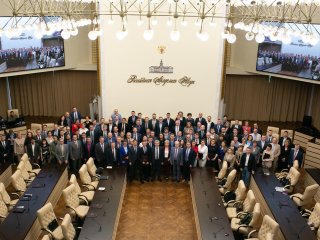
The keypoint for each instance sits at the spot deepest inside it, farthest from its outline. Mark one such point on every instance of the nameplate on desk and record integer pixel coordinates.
(101, 188)
(104, 177)
(18, 209)
(40, 185)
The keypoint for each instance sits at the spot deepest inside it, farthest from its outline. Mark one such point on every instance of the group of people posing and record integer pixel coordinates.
(156, 148)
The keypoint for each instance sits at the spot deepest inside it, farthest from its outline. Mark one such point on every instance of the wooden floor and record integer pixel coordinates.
(157, 211)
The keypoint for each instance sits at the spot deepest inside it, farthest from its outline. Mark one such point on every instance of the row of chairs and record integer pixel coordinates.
(77, 203)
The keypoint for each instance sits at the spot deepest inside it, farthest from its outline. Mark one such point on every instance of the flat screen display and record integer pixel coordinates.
(26, 50)
(296, 59)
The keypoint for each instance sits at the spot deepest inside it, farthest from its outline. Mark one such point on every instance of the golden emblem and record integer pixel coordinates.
(162, 49)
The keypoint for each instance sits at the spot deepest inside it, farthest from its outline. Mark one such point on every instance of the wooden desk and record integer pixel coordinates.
(5, 174)
(19, 226)
(312, 176)
(104, 226)
(292, 225)
(207, 205)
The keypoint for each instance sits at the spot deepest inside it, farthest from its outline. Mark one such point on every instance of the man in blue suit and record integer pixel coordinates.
(296, 153)
(176, 160)
(75, 115)
(189, 156)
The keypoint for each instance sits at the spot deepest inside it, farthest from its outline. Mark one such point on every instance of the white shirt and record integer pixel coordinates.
(247, 160)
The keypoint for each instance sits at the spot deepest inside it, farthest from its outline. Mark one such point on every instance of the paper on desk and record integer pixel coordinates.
(279, 189)
(101, 188)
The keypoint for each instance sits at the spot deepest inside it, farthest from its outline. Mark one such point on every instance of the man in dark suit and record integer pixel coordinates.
(190, 119)
(237, 126)
(114, 155)
(34, 152)
(176, 128)
(133, 161)
(269, 136)
(88, 150)
(284, 138)
(110, 126)
(153, 121)
(189, 156)
(132, 119)
(209, 124)
(169, 122)
(101, 152)
(140, 127)
(144, 158)
(296, 153)
(255, 125)
(123, 126)
(201, 119)
(176, 160)
(147, 124)
(94, 136)
(5, 153)
(218, 127)
(135, 135)
(159, 128)
(262, 144)
(157, 161)
(56, 131)
(75, 115)
(75, 153)
(247, 166)
(110, 139)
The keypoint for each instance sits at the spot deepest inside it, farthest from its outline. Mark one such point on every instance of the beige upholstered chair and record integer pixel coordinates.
(6, 197)
(3, 210)
(318, 234)
(86, 196)
(268, 230)
(46, 237)
(71, 199)
(274, 129)
(50, 126)
(248, 205)
(35, 126)
(313, 216)
(15, 112)
(284, 172)
(18, 183)
(227, 186)
(306, 197)
(46, 216)
(92, 169)
(28, 165)
(254, 223)
(223, 171)
(28, 178)
(68, 230)
(293, 176)
(290, 133)
(240, 193)
(86, 179)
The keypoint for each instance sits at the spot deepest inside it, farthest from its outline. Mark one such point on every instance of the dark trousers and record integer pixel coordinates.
(156, 169)
(186, 172)
(131, 171)
(176, 171)
(75, 165)
(144, 172)
(166, 168)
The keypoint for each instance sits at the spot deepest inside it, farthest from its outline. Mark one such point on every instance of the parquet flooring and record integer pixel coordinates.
(157, 211)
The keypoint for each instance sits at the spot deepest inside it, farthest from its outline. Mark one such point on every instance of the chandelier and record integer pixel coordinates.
(279, 20)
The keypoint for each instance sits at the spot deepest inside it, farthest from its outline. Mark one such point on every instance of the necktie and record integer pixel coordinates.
(102, 147)
(176, 154)
(4, 144)
(295, 154)
(114, 154)
(188, 151)
(122, 126)
(135, 150)
(157, 154)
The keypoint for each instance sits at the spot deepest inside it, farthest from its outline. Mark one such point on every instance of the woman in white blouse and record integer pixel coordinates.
(202, 154)
(49, 138)
(18, 146)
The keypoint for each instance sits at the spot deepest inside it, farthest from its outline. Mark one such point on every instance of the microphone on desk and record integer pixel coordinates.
(111, 187)
(205, 192)
(104, 213)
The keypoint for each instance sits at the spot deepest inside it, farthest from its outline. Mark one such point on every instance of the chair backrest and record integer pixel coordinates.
(223, 171)
(294, 176)
(318, 234)
(27, 163)
(46, 237)
(24, 171)
(290, 133)
(309, 192)
(274, 129)
(230, 179)
(35, 126)
(68, 230)
(25, 157)
(73, 180)
(296, 164)
(241, 191)
(3, 208)
(315, 216)
(17, 181)
(84, 175)
(269, 226)
(232, 122)
(70, 196)
(15, 112)
(46, 215)
(92, 169)
(255, 216)
(4, 194)
(249, 202)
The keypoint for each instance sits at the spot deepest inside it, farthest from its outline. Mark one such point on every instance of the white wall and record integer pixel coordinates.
(201, 61)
